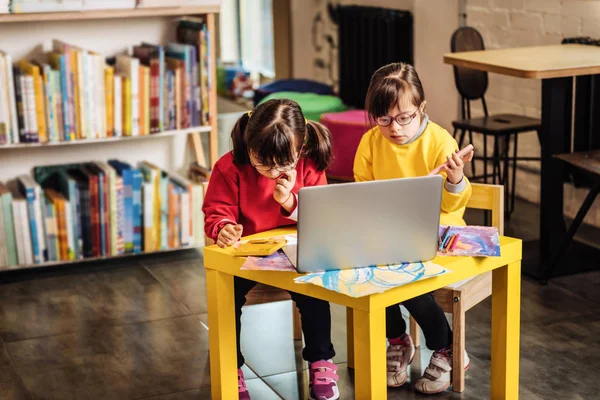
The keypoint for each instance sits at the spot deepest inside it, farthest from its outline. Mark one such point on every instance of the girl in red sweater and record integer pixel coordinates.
(276, 151)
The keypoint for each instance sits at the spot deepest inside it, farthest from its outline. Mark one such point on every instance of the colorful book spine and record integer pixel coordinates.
(137, 211)
(103, 213)
(146, 99)
(127, 175)
(3, 247)
(99, 67)
(120, 189)
(94, 200)
(51, 230)
(19, 100)
(170, 101)
(198, 215)
(206, 77)
(118, 106)
(5, 128)
(148, 220)
(87, 228)
(9, 229)
(195, 87)
(171, 215)
(50, 103)
(12, 95)
(142, 103)
(155, 95)
(127, 108)
(164, 211)
(29, 193)
(37, 99)
(109, 82)
(30, 109)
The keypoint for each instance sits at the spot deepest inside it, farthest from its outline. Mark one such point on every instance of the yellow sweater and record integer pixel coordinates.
(377, 159)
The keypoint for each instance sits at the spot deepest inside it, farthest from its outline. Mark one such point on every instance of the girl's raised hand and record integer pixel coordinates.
(455, 166)
(230, 234)
(283, 187)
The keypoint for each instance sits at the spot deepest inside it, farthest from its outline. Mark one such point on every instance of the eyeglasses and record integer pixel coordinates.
(287, 168)
(265, 168)
(401, 119)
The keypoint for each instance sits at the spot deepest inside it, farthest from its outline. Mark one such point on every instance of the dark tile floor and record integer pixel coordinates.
(137, 329)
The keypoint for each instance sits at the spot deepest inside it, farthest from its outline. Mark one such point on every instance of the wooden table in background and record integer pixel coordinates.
(556, 66)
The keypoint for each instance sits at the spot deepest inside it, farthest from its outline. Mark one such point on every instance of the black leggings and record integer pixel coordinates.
(316, 322)
(428, 314)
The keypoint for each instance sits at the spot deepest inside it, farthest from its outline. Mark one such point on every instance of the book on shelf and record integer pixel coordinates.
(8, 245)
(21, 224)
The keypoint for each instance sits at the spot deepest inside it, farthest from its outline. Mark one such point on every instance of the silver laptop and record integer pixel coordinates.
(361, 224)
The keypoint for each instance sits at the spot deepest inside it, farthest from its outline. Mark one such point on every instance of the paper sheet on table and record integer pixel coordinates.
(369, 280)
(277, 261)
(474, 241)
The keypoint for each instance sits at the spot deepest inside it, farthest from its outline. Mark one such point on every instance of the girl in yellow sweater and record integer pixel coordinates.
(403, 144)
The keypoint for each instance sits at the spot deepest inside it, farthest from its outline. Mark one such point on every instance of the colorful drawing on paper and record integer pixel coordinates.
(277, 261)
(369, 280)
(473, 241)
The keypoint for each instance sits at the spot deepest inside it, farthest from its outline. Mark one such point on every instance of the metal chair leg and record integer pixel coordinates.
(505, 173)
(485, 174)
(496, 161)
(514, 176)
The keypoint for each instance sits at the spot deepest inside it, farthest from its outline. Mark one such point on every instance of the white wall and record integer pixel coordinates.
(435, 21)
(108, 37)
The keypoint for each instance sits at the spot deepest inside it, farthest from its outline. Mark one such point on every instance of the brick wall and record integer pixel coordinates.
(517, 23)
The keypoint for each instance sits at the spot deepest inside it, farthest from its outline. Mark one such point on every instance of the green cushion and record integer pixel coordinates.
(312, 105)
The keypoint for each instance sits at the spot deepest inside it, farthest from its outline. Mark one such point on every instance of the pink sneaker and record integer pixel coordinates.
(400, 354)
(323, 381)
(437, 377)
(242, 389)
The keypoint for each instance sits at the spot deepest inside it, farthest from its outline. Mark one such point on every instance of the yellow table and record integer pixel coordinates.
(366, 317)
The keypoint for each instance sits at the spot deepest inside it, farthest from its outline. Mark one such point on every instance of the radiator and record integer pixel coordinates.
(369, 38)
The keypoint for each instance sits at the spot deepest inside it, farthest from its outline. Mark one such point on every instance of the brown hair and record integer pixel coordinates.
(275, 132)
(389, 84)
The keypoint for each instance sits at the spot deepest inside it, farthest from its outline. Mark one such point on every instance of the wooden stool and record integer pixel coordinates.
(261, 294)
(458, 298)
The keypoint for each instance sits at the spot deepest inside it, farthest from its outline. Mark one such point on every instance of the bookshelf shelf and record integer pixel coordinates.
(187, 131)
(109, 14)
(92, 259)
(11, 22)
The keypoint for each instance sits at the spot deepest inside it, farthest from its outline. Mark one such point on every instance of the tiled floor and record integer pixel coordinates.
(137, 329)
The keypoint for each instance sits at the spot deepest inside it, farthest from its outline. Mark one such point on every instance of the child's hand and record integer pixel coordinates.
(229, 235)
(284, 186)
(456, 165)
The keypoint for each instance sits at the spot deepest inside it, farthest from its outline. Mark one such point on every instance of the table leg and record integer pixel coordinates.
(506, 295)
(370, 378)
(350, 336)
(556, 138)
(221, 335)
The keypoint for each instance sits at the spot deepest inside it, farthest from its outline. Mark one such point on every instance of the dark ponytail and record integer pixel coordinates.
(318, 146)
(240, 150)
(274, 133)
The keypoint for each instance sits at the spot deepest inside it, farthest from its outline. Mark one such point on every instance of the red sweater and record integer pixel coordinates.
(240, 195)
